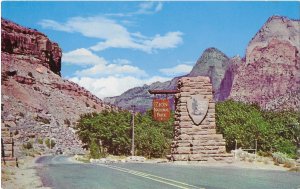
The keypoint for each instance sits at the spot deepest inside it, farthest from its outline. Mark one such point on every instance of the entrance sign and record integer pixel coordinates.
(161, 109)
(197, 107)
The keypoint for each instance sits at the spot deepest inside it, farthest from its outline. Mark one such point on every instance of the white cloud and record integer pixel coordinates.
(149, 7)
(113, 35)
(96, 27)
(170, 40)
(113, 86)
(82, 57)
(98, 66)
(113, 70)
(180, 69)
(146, 44)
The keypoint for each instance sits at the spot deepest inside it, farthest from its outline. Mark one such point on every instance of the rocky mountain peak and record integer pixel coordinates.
(276, 28)
(210, 57)
(212, 63)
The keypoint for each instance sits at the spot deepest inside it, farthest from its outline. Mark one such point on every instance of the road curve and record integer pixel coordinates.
(59, 173)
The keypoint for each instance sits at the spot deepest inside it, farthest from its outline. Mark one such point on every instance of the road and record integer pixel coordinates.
(57, 172)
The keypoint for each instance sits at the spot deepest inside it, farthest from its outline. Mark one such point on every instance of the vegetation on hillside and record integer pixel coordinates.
(110, 133)
(274, 131)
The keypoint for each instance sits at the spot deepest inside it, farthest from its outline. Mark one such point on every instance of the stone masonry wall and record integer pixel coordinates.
(196, 142)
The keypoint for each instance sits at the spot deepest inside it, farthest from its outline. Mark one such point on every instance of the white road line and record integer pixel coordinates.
(147, 174)
(152, 177)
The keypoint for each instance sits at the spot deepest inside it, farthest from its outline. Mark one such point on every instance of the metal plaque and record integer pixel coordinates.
(197, 107)
(161, 109)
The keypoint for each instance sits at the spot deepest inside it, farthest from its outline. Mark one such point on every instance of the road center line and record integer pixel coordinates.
(152, 177)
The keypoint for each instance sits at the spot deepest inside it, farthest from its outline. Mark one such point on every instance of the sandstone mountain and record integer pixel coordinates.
(268, 74)
(36, 102)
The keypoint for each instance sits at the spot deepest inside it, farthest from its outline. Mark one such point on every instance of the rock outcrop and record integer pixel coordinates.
(270, 75)
(22, 41)
(36, 102)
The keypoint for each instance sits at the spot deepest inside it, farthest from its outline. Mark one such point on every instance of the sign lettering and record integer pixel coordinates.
(161, 109)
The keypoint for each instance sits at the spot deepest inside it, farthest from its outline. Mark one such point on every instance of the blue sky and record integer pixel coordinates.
(109, 47)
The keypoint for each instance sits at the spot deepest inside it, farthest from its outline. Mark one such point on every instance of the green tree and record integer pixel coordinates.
(113, 131)
(274, 131)
(94, 149)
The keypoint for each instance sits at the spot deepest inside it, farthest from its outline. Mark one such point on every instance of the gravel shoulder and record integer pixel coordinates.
(22, 177)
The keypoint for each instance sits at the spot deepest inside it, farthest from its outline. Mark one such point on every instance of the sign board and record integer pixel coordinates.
(161, 109)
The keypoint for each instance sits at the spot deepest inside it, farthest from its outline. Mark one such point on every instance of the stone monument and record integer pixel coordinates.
(195, 137)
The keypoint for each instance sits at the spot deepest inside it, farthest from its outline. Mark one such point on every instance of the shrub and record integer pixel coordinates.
(40, 141)
(279, 158)
(47, 142)
(28, 145)
(94, 149)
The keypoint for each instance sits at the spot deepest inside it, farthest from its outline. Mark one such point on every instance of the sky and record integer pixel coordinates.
(110, 47)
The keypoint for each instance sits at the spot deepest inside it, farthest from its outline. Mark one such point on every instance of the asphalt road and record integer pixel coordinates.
(58, 173)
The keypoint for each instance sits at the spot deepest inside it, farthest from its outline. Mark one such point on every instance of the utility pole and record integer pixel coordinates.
(132, 142)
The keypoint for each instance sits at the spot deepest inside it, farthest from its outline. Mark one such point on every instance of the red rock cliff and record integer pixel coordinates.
(19, 40)
(270, 75)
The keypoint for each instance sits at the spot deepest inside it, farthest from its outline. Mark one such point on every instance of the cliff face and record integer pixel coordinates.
(271, 75)
(36, 102)
(22, 41)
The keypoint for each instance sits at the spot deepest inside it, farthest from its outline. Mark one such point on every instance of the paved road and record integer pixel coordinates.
(58, 173)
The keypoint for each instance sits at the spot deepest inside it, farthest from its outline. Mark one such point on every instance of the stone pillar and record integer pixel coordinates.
(195, 137)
